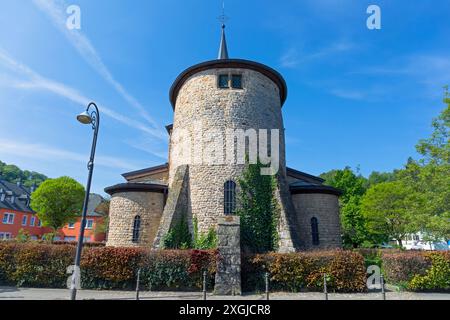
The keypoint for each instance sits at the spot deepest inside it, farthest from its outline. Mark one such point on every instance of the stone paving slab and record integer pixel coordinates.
(11, 293)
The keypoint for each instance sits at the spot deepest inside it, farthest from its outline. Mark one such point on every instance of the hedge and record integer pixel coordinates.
(295, 272)
(44, 265)
(417, 270)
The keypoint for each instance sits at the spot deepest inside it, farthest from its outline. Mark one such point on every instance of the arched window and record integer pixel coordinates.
(229, 201)
(315, 231)
(136, 229)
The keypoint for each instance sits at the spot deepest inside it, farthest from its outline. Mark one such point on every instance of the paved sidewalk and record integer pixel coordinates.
(11, 293)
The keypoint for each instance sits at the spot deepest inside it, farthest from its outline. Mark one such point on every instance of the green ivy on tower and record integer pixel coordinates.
(258, 210)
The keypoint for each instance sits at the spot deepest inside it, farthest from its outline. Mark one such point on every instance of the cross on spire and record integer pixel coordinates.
(223, 50)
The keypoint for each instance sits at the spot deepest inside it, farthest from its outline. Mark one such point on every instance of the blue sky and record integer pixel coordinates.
(357, 97)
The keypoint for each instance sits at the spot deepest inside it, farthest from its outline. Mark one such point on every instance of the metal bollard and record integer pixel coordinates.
(204, 285)
(267, 285)
(137, 283)
(383, 291)
(325, 289)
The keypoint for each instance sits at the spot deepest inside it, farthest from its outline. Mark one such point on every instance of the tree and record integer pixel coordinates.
(103, 226)
(430, 177)
(352, 221)
(13, 174)
(389, 209)
(378, 177)
(436, 149)
(58, 201)
(258, 210)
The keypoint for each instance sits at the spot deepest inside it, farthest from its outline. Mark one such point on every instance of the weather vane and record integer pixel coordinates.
(223, 18)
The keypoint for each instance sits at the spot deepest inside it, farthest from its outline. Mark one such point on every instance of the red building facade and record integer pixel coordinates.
(16, 215)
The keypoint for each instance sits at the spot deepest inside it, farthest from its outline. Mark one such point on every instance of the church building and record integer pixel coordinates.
(222, 94)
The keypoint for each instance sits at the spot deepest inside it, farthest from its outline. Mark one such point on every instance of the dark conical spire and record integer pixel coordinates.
(223, 50)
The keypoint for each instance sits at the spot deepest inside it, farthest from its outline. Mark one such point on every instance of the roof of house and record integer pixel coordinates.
(16, 197)
(137, 187)
(301, 187)
(145, 171)
(272, 74)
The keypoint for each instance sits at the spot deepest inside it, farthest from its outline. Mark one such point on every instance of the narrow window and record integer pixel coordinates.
(315, 231)
(229, 197)
(236, 81)
(223, 81)
(24, 220)
(90, 224)
(32, 221)
(136, 229)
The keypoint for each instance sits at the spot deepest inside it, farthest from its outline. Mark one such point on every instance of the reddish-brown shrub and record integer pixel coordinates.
(399, 267)
(297, 271)
(44, 265)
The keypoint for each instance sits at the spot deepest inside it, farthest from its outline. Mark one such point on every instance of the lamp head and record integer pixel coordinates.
(84, 118)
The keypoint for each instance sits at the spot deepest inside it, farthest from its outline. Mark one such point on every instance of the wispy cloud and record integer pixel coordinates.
(351, 94)
(45, 152)
(35, 81)
(55, 10)
(429, 70)
(292, 58)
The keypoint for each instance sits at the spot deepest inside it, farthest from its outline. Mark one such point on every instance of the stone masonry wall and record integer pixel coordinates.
(325, 207)
(124, 207)
(228, 275)
(255, 106)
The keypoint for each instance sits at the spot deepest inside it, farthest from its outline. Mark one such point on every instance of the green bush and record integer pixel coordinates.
(371, 256)
(304, 271)
(178, 236)
(437, 277)
(44, 265)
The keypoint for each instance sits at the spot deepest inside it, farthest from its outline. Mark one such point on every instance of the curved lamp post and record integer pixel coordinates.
(91, 117)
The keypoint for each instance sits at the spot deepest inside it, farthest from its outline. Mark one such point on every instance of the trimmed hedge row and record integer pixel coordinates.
(295, 272)
(42, 265)
(417, 270)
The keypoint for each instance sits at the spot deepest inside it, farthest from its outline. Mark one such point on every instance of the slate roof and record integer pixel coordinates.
(21, 196)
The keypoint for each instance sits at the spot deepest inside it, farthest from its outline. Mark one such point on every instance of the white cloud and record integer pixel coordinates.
(289, 59)
(292, 58)
(348, 94)
(36, 81)
(55, 10)
(40, 151)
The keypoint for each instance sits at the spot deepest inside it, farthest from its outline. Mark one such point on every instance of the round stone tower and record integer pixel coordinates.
(214, 103)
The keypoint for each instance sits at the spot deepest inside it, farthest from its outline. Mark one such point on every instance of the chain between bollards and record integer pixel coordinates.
(383, 291)
(267, 285)
(204, 285)
(137, 283)
(325, 289)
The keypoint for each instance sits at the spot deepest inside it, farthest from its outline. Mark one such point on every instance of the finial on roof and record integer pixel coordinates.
(223, 50)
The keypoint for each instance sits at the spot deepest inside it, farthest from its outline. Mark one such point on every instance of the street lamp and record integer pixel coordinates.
(91, 117)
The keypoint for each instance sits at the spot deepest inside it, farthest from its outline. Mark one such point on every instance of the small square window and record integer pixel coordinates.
(72, 225)
(236, 81)
(90, 224)
(223, 81)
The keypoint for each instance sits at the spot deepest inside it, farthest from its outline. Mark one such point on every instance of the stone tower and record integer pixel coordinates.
(211, 100)
(220, 106)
